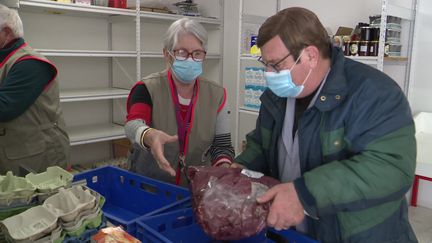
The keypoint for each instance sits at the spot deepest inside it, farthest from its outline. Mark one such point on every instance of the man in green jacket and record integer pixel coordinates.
(338, 134)
(32, 129)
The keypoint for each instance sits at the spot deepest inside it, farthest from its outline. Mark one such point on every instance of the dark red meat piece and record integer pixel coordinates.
(224, 201)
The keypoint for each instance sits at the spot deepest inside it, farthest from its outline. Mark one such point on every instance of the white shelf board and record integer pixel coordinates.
(45, 6)
(148, 54)
(365, 59)
(173, 17)
(93, 94)
(249, 57)
(85, 53)
(79, 135)
(246, 110)
(374, 60)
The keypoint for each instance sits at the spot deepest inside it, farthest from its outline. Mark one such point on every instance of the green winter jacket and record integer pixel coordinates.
(357, 154)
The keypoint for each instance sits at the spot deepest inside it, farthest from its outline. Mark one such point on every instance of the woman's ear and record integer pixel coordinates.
(167, 56)
(7, 33)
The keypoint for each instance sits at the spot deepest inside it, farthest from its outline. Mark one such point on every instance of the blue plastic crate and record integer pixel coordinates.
(180, 227)
(130, 196)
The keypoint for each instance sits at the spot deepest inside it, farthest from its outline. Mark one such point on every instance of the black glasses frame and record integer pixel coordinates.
(273, 66)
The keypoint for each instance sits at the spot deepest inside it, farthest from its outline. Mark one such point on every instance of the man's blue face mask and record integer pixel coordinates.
(281, 83)
(187, 70)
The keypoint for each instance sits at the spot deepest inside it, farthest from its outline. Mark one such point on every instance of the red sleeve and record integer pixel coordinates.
(139, 104)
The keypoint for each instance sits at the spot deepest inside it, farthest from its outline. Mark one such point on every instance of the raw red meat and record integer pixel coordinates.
(224, 201)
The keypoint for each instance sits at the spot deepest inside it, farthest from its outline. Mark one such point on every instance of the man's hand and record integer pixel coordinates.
(286, 209)
(156, 140)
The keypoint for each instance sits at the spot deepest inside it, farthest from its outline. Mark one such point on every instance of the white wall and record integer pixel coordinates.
(420, 90)
(420, 83)
(337, 13)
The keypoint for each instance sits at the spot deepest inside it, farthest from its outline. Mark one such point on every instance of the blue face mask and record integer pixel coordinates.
(187, 71)
(281, 83)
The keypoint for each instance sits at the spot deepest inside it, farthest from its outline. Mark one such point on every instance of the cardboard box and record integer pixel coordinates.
(121, 147)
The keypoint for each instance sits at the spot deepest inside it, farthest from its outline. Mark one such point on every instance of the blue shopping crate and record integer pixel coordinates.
(180, 226)
(130, 196)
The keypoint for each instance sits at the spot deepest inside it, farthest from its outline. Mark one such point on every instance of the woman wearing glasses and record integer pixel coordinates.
(175, 118)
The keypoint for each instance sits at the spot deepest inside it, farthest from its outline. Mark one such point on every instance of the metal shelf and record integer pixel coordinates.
(85, 53)
(395, 59)
(79, 135)
(365, 60)
(173, 17)
(249, 57)
(93, 94)
(374, 60)
(51, 7)
(246, 110)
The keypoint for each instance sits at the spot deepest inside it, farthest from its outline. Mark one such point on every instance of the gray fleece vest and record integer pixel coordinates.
(37, 138)
(209, 98)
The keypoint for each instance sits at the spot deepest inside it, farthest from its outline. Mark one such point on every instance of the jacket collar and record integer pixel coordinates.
(13, 45)
(335, 88)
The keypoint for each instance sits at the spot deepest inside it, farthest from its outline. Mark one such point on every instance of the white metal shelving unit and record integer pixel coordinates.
(117, 61)
(87, 133)
(93, 94)
(94, 133)
(406, 10)
(85, 53)
(52, 7)
(246, 15)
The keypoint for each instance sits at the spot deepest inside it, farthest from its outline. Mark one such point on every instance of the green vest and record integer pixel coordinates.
(209, 98)
(37, 138)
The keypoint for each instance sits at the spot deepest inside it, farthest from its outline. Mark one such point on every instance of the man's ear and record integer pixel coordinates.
(312, 56)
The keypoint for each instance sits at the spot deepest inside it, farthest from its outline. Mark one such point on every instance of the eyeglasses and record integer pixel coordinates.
(273, 66)
(182, 54)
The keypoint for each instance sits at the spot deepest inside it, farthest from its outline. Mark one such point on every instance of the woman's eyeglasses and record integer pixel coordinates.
(182, 54)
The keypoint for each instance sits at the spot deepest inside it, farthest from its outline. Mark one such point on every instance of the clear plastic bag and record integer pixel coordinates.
(224, 201)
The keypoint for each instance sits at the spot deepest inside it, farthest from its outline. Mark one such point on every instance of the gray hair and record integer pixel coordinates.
(184, 26)
(10, 18)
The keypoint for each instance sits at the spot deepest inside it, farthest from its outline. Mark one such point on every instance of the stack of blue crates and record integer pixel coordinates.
(157, 212)
(130, 196)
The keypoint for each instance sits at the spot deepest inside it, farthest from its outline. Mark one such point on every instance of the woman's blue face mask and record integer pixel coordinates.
(187, 70)
(281, 83)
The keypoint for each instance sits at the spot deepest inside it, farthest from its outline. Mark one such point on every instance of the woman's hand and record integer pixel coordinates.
(155, 140)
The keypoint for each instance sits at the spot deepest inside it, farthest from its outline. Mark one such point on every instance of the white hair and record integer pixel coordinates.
(184, 26)
(10, 18)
